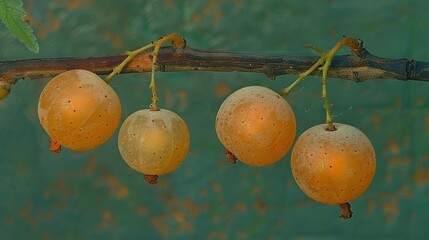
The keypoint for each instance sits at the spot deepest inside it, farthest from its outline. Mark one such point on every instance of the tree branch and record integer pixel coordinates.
(349, 67)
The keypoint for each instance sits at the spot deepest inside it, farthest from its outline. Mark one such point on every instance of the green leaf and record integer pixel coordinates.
(12, 14)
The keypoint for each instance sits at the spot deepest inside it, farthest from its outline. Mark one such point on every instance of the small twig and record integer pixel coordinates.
(170, 59)
(355, 47)
(177, 42)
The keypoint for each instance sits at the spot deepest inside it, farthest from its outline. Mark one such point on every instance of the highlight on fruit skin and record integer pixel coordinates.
(153, 142)
(257, 125)
(79, 110)
(333, 167)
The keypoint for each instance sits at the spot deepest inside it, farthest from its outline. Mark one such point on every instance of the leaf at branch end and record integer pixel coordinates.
(12, 14)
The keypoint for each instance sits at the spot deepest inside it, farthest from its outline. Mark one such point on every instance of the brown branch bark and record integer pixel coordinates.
(347, 67)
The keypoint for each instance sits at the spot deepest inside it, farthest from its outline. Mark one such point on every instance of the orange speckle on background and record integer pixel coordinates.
(182, 221)
(142, 209)
(256, 189)
(243, 235)
(376, 119)
(106, 219)
(427, 122)
(260, 205)
(26, 212)
(168, 98)
(240, 207)
(158, 222)
(405, 192)
(371, 205)
(116, 188)
(117, 41)
(211, 9)
(419, 101)
(183, 99)
(222, 89)
(398, 102)
(203, 192)
(121, 191)
(196, 18)
(8, 220)
(193, 208)
(388, 177)
(400, 161)
(168, 3)
(217, 235)
(216, 187)
(90, 165)
(75, 4)
(421, 176)
(390, 209)
(393, 146)
(61, 204)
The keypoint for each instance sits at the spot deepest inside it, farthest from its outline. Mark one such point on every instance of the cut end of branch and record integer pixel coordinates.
(346, 210)
(152, 179)
(230, 156)
(55, 146)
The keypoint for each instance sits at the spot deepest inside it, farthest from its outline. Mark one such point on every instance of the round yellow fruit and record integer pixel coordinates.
(153, 142)
(333, 167)
(257, 125)
(79, 110)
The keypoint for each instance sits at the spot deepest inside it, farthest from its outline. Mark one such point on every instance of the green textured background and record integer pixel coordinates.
(95, 195)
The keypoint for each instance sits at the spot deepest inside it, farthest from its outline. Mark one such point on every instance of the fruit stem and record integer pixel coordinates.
(346, 41)
(327, 105)
(346, 210)
(176, 41)
(303, 75)
(131, 56)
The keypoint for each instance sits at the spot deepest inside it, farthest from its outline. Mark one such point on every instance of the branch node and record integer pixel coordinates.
(411, 69)
(270, 71)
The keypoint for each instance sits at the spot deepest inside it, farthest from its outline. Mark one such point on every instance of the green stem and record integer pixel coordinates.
(327, 105)
(131, 56)
(353, 45)
(152, 86)
(177, 42)
(326, 59)
(303, 75)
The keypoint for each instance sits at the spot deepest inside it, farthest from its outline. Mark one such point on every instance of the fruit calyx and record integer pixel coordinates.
(55, 146)
(152, 179)
(346, 210)
(230, 156)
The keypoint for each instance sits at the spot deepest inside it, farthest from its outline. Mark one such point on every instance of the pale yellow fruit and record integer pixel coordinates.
(153, 142)
(333, 167)
(257, 125)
